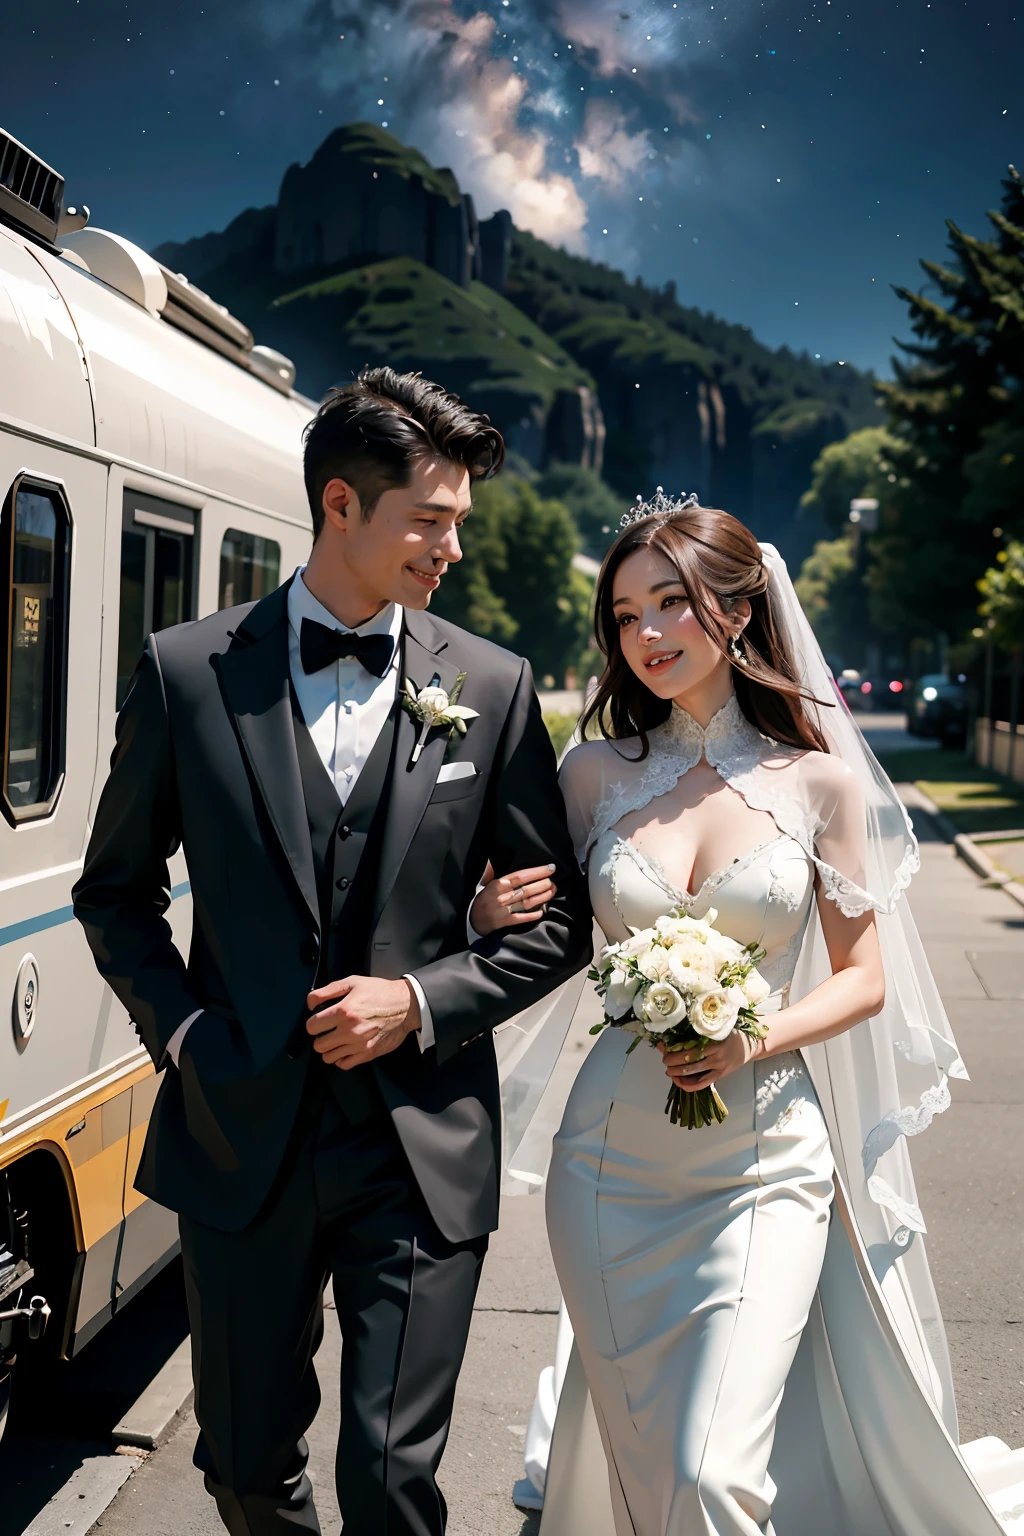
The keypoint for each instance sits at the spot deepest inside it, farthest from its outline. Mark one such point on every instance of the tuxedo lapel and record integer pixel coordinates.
(255, 681)
(413, 783)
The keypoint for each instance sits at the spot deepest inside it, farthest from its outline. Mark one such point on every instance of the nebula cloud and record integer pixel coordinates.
(550, 110)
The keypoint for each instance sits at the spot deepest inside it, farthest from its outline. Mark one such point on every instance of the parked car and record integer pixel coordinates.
(870, 692)
(938, 707)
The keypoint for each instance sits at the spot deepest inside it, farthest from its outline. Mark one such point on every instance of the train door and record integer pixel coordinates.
(154, 532)
(245, 555)
(51, 560)
(157, 578)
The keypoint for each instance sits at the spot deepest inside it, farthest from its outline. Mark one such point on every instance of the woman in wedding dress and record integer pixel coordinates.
(708, 1271)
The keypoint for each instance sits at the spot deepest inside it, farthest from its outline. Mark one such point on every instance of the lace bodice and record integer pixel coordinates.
(763, 897)
(814, 799)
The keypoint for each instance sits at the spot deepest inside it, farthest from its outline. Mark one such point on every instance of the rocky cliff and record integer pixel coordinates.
(371, 254)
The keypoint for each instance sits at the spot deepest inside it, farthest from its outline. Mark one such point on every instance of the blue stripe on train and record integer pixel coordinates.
(30, 925)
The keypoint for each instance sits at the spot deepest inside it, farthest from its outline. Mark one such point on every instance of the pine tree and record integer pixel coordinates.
(955, 415)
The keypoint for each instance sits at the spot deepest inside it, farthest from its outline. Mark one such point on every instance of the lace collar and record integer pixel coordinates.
(731, 744)
(728, 740)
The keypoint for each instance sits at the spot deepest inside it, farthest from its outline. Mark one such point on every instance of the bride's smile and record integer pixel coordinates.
(663, 639)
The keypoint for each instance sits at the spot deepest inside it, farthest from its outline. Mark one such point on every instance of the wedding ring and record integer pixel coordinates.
(517, 906)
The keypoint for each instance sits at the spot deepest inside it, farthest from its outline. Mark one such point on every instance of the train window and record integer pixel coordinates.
(157, 588)
(35, 571)
(250, 567)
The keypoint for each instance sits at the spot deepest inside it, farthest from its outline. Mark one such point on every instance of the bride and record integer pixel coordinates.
(708, 1271)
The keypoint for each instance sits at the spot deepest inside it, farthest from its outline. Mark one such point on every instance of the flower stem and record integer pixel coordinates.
(424, 732)
(693, 1110)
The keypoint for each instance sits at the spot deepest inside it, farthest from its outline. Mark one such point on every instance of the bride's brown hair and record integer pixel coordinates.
(718, 561)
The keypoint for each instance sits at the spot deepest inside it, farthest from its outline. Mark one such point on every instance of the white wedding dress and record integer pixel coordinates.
(707, 1271)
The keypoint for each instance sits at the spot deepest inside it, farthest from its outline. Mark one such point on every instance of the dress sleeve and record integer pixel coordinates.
(864, 849)
(582, 780)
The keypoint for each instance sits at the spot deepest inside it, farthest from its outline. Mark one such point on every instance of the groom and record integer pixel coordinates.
(330, 1104)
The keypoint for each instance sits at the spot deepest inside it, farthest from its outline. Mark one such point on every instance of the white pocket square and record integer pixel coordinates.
(450, 771)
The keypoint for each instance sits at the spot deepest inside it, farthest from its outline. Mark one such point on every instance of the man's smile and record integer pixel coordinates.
(431, 580)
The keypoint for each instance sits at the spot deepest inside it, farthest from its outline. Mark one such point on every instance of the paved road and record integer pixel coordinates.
(969, 1169)
(970, 1165)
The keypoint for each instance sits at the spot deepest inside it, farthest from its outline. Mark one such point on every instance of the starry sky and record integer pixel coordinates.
(784, 163)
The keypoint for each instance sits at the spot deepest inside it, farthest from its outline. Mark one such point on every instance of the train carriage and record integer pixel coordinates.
(150, 473)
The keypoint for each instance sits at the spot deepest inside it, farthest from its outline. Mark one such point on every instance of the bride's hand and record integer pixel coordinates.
(691, 1070)
(512, 900)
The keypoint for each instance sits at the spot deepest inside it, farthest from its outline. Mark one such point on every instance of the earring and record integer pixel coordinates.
(735, 652)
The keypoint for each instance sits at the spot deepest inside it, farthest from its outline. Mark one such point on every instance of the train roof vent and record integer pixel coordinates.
(170, 295)
(31, 192)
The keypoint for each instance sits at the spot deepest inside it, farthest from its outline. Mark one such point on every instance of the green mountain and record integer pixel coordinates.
(373, 255)
(401, 313)
(715, 410)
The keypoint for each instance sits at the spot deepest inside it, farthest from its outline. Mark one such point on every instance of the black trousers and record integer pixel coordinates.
(347, 1205)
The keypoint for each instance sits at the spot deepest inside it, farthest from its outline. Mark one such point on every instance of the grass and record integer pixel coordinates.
(560, 728)
(405, 314)
(974, 798)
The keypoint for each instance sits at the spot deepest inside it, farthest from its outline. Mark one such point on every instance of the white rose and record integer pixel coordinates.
(690, 966)
(621, 990)
(654, 962)
(755, 989)
(671, 930)
(663, 1007)
(432, 704)
(640, 939)
(725, 951)
(714, 1013)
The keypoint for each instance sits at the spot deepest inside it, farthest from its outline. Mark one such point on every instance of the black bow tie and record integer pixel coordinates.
(320, 646)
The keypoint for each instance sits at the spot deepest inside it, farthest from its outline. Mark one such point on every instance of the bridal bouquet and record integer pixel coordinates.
(681, 984)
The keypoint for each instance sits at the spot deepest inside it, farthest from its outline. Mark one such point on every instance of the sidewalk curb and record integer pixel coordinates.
(967, 849)
(89, 1491)
(150, 1419)
(978, 860)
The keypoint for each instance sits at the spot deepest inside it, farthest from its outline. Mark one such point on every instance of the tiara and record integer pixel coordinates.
(660, 505)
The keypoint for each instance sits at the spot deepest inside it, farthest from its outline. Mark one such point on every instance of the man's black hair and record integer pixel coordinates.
(372, 431)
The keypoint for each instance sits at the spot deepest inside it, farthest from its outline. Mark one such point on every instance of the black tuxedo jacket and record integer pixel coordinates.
(205, 758)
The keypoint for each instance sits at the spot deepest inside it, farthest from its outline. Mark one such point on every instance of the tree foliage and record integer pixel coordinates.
(515, 583)
(587, 305)
(1002, 590)
(595, 508)
(832, 596)
(956, 409)
(844, 472)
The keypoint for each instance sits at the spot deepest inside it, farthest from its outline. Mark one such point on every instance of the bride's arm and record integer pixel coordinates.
(856, 989)
(530, 890)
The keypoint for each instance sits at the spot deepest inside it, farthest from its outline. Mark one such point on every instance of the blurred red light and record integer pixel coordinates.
(896, 687)
(865, 687)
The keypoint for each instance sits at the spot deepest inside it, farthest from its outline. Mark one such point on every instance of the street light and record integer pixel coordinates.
(864, 513)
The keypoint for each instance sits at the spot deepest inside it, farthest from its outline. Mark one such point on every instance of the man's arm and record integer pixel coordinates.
(124, 890)
(475, 990)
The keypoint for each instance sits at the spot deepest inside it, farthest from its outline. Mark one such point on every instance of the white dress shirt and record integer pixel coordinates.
(344, 707)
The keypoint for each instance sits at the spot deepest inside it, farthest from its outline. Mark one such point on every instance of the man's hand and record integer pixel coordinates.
(367, 1017)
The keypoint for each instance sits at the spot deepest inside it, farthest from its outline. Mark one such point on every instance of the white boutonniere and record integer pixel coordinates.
(433, 706)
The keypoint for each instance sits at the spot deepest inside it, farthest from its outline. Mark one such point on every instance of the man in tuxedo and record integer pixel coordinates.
(330, 1105)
